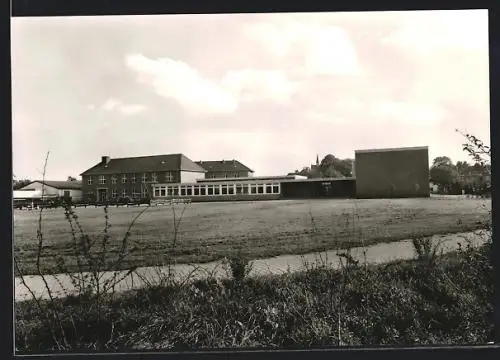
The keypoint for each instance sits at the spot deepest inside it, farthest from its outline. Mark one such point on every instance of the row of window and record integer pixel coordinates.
(219, 189)
(124, 178)
(225, 175)
(124, 193)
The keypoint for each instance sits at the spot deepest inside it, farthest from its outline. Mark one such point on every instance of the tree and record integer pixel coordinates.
(442, 161)
(443, 173)
(71, 178)
(18, 184)
(332, 166)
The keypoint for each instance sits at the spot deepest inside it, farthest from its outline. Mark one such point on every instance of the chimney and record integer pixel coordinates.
(223, 161)
(105, 160)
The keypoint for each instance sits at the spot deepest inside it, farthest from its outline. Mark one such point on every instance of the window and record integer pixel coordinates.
(236, 175)
(124, 192)
(196, 190)
(135, 194)
(132, 179)
(124, 178)
(90, 195)
(114, 193)
(67, 193)
(269, 189)
(113, 179)
(245, 188)
(89, 181)
(176, 190)
(239, 189)
(216, 190)
(144, 177)
(210, 189)
(183, 191)
(169, 191)
(203, 191)
(169, 177)
(253, 189)
(156, 191)
(163, 190)
(144, 192)
(154, 178)
(189, 191)
(224, 189)
(230, 189)
(102, 180)
(225, 175)
(260, 189)
(276, 188)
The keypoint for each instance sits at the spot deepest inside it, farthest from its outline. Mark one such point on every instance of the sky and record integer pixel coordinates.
(270, 90)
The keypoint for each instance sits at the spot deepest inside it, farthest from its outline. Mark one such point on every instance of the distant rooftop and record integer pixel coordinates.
(392, 149)
(62, 185)
(153, 163)
(223, 166)
(252, 178)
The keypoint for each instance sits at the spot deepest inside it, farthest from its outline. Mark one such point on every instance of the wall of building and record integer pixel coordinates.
(345, 188)
(190, 177)
(141, 188)
(226, 174)
(392, 173)
(34, 190)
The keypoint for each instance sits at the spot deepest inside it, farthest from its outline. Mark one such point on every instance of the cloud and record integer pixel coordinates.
(407, 113)
(446, 29)
(318, 49)
(178, 81)
(113, 104)
(255, 84)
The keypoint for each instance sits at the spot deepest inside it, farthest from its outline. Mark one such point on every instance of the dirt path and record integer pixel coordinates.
(61, 285)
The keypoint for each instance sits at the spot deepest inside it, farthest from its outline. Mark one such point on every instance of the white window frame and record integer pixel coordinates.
(114, 193)
(124, 192)
(135, 194)
(89, 181)
(168, 176)
(144, 177)
(132, 179)
(113, 179)
(154, 177)
(124, 178)
(102, 180)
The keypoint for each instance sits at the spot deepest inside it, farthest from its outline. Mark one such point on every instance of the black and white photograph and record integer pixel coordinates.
(251, 181)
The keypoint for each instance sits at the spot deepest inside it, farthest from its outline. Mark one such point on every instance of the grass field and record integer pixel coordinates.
(210, 231)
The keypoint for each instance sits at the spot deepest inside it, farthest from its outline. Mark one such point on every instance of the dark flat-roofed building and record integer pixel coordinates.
(224, 169)
(392, 172)
(133, 176)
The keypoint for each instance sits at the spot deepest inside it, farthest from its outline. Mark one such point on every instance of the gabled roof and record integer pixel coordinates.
(61, 185)
(224, 166)
(154, 163)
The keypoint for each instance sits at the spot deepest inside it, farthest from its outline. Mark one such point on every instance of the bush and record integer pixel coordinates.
(390, 304)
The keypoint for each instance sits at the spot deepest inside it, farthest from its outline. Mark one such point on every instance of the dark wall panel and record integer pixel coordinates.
(392, 173)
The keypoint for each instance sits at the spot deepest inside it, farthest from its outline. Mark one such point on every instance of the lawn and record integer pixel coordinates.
(210, 231)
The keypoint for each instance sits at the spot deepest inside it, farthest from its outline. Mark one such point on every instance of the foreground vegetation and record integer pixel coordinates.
(431, 300)
(257, 230)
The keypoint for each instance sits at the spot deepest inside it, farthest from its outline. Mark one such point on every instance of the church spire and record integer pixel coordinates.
(317, 159)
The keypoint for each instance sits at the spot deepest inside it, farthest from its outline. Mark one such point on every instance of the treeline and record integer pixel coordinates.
(329, 167)
(460, 177)
(446, 177)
